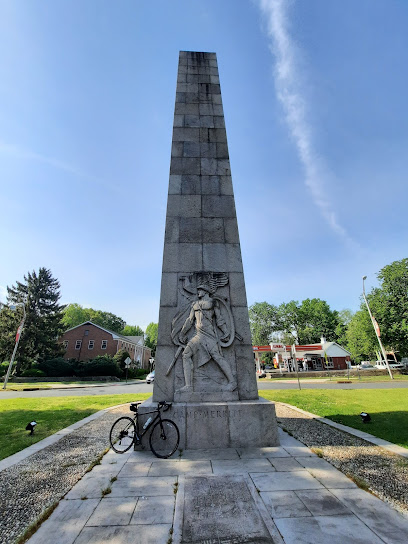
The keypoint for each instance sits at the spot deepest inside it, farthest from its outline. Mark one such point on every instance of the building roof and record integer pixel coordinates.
(116, 336)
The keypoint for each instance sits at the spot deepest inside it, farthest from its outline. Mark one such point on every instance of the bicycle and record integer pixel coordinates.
(164, 437)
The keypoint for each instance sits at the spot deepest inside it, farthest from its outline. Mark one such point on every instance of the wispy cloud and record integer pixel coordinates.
(26, 154)
(288, 83)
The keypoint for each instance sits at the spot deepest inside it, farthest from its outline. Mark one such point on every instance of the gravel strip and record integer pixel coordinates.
(385, 473)
(34, 484)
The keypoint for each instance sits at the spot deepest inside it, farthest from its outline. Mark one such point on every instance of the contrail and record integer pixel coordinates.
(26, 154)
(287, 83)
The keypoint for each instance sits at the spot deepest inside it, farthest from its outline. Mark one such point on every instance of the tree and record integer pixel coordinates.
(264, 320)
(132, 330)
(75, 314)
(152, 330)
(344, 318)
(307, 322)
(43, 325)
(360, 335)
(389, 305)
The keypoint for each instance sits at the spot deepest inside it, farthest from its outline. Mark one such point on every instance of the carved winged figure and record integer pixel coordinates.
(211, 331)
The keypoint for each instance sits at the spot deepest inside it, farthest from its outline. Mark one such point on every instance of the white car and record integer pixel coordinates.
(150, 377)
(365, 365)
(393, 364)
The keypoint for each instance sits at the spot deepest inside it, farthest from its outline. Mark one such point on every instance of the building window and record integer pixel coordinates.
(91, 344)
(86, 332)
(65, 344)
(104, 344)
(78, 344)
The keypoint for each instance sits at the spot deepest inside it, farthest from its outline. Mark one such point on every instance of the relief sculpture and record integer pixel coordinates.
(203, 327)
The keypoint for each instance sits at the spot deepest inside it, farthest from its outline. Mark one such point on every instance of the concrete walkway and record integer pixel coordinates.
(263, 495)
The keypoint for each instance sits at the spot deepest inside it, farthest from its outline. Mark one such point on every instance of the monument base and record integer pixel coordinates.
(216, 425)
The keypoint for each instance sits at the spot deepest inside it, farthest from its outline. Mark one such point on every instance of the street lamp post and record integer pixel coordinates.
(19, 331)
(375, 325)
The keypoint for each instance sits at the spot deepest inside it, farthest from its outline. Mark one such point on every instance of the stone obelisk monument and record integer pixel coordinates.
(204, 359)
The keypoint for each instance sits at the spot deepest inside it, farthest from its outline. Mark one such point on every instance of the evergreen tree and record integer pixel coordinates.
(43, 325)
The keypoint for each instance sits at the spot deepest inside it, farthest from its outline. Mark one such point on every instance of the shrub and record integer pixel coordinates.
(136, 372)
(103, 365)
(33, 373)
(57, 367)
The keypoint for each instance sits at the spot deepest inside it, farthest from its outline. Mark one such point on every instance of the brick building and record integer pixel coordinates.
(88, 340)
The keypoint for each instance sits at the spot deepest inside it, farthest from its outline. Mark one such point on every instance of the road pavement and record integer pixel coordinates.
(143, 387)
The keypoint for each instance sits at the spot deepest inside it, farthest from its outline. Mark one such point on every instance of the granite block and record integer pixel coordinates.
(184, 165)
(168, 291)
(223, 167)
(218, 109)
(175, 185)
(184, 206)
(178, 121)
(215, 257)
(191, 98)
(213, 231)
(219, 122)
(193, 78)
(210, 185)
(190, 185)
(226, 185)
(192, 121)
(218, 206)
(191, 149)
(177, 149)
(234, 258)
(207, 121)
(237, 289)
(186, 109)
(231, 230)
(209, 167)
(172, 230)
(187, 134)
(222, 151)
(217, 135)
(182, 256)
(190, 230)
(208, 150)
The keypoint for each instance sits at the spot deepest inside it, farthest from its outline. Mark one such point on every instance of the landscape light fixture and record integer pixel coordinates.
(365, 417)
(31, 426)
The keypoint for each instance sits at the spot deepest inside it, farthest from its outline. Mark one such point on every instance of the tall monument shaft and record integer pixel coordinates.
(204, 350)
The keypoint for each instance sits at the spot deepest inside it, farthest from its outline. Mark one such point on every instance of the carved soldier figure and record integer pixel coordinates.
(210, 329)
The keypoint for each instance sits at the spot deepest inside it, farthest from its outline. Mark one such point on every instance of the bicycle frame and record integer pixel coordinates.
(140, 435)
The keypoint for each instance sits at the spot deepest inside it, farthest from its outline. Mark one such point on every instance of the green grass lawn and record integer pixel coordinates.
(51, 414)
(388, 408)
(364, 377)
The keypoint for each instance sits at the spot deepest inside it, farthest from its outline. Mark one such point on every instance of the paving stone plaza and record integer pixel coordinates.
(284, 494)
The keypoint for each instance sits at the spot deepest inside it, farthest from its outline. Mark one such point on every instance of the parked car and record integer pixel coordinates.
(365, 365)
(150, 377)
(391, 364)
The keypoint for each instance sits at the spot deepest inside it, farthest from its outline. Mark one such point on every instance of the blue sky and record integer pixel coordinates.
(314, 98)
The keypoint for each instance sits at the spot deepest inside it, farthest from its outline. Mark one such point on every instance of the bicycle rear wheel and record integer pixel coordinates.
(164, 438)
(122, 434)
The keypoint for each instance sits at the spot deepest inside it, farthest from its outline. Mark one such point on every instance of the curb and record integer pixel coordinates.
(389, 446)
(52, 439)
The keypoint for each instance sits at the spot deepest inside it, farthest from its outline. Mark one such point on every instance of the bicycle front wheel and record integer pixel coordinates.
(164, 438)
(122, 434)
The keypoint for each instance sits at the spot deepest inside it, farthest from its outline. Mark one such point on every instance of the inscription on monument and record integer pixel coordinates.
(221, 510)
